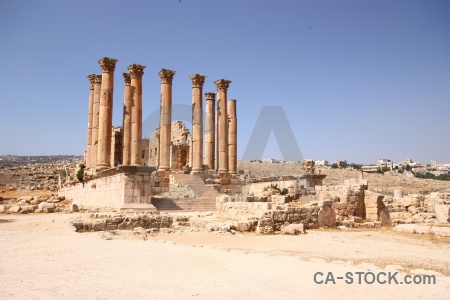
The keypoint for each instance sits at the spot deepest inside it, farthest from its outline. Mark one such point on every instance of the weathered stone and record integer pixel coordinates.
(44, 205)
(15, 209)
(293, 229)
(385, 218)
(442, 213)
(326, 217)
(99, 226)
(74, 208)
(49, 209)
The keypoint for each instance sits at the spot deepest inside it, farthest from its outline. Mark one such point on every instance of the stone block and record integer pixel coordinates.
(441, 231)
(44, 205)
(326, 217)
(49, 210)
(442, 213)
(293, 229)
(385, 218)
(15, 209)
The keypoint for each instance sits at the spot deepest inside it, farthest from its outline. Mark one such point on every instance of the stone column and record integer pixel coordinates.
(165, 119)
(90, 121)
(127, 104)
(210, 134)
(136, 72)
(222, 130)
(95, 117)
(108, 66)
(197, 122)
(232, 136)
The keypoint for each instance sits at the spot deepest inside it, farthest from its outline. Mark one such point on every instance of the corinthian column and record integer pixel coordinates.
(210, 135)
(232, 137)
(108, 66)
(95, 116)
(222, 130)
(127, 104)
(165, 119)
(90, 121)
(197, 123)
(136, 72)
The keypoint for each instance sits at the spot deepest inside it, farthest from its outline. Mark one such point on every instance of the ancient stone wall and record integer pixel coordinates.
(121, 188)
(180, 136)
(102, 222)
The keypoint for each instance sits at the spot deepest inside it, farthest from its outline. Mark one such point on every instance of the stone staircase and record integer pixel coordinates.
(187, 193)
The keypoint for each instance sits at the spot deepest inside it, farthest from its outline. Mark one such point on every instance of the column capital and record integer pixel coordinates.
(126, 78)
(166, 75)
(197, 80)
(136, 71)
(98, 79)
(108, 64)
(210, 96)
(222, 84)
(91, 80)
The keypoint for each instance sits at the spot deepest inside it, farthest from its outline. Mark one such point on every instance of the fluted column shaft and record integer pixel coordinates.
(105, 117)
(136, 72)
(165, 132)
(197, 122)
(95, 118)
(127, 106)
(90, 121)
(222, 130)
(232, 137)
(210, 134)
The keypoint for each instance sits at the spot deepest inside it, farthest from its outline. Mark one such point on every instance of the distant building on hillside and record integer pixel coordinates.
(270, 160)
(321, 162)
(384, 163)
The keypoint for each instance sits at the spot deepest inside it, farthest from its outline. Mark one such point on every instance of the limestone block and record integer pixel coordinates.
(441, 231)
(326, 217)
(293, 229)
(15, 209)
(279, 199)
(442, 213)
(410, 202)
(385, 218)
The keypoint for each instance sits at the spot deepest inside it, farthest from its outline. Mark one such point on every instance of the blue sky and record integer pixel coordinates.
(358, 80)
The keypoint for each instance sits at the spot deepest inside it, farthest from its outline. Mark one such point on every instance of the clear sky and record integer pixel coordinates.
(358, 80)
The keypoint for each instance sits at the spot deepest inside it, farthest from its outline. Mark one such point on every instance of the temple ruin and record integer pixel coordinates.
(176, 167)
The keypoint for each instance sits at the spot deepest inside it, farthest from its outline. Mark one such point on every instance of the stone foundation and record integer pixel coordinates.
(126, 187)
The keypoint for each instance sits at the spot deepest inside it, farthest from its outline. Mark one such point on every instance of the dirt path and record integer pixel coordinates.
(41, 257)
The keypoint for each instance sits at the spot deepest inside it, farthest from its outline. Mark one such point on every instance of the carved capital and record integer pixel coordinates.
(108, 64)
(136, 71)
(166, 75)
(197, 80)
(222, 85)
(91, 80)
(98, 79)
(210, 96)
(126, 78)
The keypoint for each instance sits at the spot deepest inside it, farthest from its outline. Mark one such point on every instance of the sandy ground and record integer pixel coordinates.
(42, 257)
